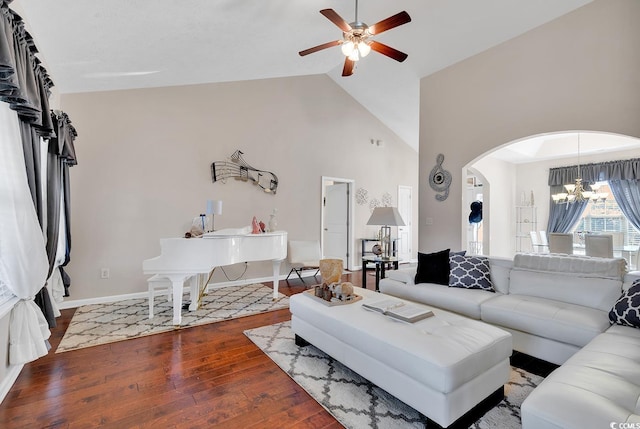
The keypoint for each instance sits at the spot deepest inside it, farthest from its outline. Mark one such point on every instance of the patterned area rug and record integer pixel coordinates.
(96, 324)
(355, 402)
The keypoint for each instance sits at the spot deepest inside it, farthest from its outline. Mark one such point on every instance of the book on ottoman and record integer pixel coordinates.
(399, 310)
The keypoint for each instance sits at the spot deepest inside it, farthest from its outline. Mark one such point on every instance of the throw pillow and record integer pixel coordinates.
(433, 268)
(626, 310)
(470, 272)
(461, 252)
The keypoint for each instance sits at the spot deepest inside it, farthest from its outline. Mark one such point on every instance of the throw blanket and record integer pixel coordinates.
(580, 266)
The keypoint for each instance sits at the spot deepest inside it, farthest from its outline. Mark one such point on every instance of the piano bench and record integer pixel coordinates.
(158, 282)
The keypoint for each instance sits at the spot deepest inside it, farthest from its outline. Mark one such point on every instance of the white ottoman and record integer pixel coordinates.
(442, 366)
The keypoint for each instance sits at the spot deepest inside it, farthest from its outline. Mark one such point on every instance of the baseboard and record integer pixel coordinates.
(12, 375)
(113, 298)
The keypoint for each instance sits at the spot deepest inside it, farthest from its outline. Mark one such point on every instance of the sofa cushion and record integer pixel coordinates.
(600, 293)
(575, 265)
(433, 268)
(500, 272)
(547, 318)
(630, 278)
(469, 272)
(462, 301)
(404, 275)
(626, 310)
(592, 282)
(598, 385)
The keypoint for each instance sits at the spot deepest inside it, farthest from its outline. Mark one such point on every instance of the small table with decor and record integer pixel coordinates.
(380, 262)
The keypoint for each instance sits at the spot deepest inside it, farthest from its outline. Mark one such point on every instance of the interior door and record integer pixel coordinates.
(405, 252)
(336, 222)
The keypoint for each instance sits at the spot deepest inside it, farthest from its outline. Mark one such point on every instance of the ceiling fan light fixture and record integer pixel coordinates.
(347, 47)
(364, 49)
(356, 40)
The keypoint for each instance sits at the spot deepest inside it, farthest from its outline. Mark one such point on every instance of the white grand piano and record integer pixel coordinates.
(186, 258)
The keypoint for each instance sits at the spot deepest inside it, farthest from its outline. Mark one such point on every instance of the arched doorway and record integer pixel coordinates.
(516, 175)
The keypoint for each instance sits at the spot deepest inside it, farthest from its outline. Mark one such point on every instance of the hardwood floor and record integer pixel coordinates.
(200, 377)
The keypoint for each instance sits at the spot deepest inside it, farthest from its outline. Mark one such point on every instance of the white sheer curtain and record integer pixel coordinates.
(23, 259)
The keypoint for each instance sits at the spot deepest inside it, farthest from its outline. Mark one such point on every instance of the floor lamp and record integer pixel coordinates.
(387, 217)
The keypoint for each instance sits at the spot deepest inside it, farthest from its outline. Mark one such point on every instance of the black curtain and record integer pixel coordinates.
(61, 156)
(25, 86)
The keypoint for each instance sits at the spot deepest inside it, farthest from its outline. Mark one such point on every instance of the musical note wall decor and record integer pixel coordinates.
(440, 179)
(239, 169)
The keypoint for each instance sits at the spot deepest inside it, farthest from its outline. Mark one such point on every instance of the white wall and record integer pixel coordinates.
(578, 72)
(144, 161)
(499, 209)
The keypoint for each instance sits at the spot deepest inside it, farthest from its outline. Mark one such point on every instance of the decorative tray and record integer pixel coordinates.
(312, 294)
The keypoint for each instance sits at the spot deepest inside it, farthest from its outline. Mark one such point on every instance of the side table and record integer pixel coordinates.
(380, 265)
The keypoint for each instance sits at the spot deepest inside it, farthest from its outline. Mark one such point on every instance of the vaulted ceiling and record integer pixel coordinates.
(102, 45)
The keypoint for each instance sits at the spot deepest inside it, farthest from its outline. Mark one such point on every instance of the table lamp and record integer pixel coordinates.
(214, 207)
(387, 217)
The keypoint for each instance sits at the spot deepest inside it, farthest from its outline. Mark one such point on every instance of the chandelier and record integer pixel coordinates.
(575, 192)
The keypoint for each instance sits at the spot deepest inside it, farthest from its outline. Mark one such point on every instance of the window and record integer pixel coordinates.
(606, 217)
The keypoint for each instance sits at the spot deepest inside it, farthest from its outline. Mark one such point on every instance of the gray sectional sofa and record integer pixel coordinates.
(557, 308)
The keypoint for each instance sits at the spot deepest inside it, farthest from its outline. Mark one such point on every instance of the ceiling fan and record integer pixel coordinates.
(356, 38)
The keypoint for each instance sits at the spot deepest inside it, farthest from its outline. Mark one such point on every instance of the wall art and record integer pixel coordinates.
(362, 196)
(440, 179)
(239, 169)
(387, 199)
(374, 203)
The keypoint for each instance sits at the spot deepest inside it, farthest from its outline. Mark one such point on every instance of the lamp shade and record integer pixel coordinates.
(386, 216)
(214, 207)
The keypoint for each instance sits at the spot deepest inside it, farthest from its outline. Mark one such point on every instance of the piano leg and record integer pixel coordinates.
(194, 292)
(177, 283)
(276, 278)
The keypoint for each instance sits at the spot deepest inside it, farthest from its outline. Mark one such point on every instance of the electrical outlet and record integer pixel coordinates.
(428, 221)
(104, 273)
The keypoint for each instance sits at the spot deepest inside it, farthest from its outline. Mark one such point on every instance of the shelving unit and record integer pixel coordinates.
(526, 221)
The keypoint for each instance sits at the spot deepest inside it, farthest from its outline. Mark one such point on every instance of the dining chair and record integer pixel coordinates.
(599, 245)
(561, 243)
(535, 241)
(544, 241)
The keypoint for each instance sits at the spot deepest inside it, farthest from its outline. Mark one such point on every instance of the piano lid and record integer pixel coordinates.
(195, 255)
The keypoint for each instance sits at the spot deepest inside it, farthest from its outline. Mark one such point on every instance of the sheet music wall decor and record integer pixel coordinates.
(239, 169)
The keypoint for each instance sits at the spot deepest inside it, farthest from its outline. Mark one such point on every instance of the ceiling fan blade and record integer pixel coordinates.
(320, 47)
(347, 70)
(388, 51)
(389, 23)
(333, 16)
